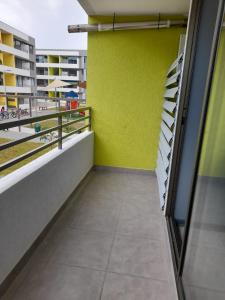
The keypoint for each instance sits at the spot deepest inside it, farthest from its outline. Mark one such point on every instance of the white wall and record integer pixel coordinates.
(57, 65)
(31, 196)
(57, 52)
(14, 51)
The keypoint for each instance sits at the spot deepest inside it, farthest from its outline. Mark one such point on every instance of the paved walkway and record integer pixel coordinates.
(109, 244)
(16, 135)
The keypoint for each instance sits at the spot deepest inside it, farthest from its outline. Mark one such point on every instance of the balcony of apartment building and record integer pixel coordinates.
(41, 59)
(69, 60)
(22, 46)
(69, 74)
(90, 219)
(42, 71)
(42, 82)
(16, 66)
(110, 223)
(1, 78)
(16, 47)
(23, 64)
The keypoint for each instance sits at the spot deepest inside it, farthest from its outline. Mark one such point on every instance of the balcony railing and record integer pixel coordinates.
(59, 128)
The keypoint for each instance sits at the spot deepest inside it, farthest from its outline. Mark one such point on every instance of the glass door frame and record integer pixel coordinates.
(204, 26)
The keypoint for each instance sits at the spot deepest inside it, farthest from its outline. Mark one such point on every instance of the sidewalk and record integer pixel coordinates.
(16, 135)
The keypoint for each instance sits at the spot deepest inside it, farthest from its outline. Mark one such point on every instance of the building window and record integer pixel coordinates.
(42, 82)
(17, 44)
(42, 71)
(72, 60)
(41, 59)
(67, 72)
(1, 79)
(31, 49)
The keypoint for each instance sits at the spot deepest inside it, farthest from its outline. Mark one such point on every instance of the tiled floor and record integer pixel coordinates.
(108, 244)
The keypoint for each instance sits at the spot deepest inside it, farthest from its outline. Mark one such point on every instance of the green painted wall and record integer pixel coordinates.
(213, 153)
(53, 59)
(126, 76)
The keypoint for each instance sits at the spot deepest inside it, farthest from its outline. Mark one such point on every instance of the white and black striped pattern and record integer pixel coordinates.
(168, 125)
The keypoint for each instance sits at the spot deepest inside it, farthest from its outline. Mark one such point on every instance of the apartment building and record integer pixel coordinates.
(66, 65)
(17, 65)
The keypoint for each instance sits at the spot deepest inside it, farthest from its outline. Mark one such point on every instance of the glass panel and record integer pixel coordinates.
(204, 268)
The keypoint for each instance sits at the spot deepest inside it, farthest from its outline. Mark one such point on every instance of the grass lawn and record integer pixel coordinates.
(52, 123)
(16, 151)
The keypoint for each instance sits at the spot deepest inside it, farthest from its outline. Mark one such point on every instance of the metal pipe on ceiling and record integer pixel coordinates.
(125, 26)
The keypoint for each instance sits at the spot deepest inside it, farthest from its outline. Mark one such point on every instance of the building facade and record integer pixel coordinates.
(17, 65)
(65, 65)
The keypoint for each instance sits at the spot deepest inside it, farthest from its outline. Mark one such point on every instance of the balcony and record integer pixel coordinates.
(17, 89)
(100, 232)
(16, 52)
(17, 70)
(102, 242)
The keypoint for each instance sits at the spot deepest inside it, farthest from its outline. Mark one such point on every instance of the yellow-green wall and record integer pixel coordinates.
(213, 152)
(53, 59)
(8, 60)
(10, 79)
(1, 58)
(2, 101)
(7, 39)
(126, 76)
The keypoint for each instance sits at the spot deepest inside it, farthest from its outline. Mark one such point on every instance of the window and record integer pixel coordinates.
(42, 82)
(1, 79)
(41, 59)
(17, 44)
(72, 60)
(42, 71)
(204, 270)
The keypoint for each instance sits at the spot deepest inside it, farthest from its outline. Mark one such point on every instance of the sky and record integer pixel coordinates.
(46, 21)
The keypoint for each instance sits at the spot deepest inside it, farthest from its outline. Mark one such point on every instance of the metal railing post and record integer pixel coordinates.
(60, 132)
(89, 127)
(18, 112)
(30, 106)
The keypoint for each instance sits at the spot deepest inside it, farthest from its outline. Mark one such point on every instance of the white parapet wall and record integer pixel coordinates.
(32, 195)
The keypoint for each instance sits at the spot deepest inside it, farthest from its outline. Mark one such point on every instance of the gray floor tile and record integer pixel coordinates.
(103, 220)
(139, 257)
(35, 265)
(60, 282)
(137, 223)
(70, 262)
(204, 267)
(120, 287)
(84, 249)
(144, 203)
(195, 293)
(101, 200)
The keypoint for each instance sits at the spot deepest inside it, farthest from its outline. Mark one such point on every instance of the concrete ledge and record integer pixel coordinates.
(32, 195)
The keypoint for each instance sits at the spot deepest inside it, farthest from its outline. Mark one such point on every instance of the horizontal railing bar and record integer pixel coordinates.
(40, 97)
(75, 121)
(21, 122)
(18, 159)
(22, 157)
(74, 131)
(36, 135)
(27, 138)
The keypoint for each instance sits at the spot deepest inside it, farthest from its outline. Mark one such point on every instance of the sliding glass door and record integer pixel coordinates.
(204, 265)
(196, 218)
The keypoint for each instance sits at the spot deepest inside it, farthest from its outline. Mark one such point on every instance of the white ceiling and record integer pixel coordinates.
(135, 7)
